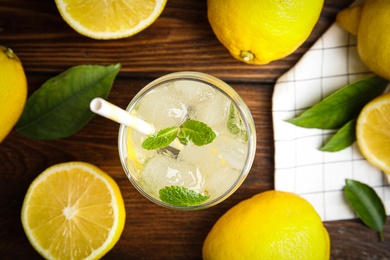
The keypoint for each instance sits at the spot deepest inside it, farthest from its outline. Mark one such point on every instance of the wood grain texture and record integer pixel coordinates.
(181, 39)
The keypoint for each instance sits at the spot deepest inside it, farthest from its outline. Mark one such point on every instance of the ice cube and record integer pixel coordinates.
(220, 181)
(233, 151)
(205, 157)
(220, 162)
(214, 112)
(162, 171)
(193, 92)
(162, 109)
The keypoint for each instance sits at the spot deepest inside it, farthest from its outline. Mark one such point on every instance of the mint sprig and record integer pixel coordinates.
(181, 196)
(195, 131)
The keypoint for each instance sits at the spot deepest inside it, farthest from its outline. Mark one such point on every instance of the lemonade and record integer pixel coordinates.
(212, 143)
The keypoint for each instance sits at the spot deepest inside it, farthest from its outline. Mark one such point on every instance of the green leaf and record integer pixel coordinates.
(60, 107)
(367, 205)
(197, 132)
(344, 137)
(181, 196)
(161, 139)
(235, 124)
(183, 140)
(341, 106)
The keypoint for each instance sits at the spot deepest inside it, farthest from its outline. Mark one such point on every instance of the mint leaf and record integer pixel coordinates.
(235, 124)
(344, 137)
(341, 106)
(197, 132)
(367, 205)
(183, 139)
(161, 139)
(181, 196)
(60, 107)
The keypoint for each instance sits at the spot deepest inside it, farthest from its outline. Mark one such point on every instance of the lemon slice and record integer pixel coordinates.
(373, 132)
(110, 19)
(73, 210)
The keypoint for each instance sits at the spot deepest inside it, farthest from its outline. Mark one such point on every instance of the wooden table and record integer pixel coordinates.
(181, 39)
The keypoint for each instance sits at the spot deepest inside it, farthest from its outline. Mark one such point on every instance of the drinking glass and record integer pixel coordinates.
(197, 176)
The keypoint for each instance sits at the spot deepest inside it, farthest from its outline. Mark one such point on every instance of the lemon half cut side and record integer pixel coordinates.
(110, 19)
(73, 210)
(373, 132)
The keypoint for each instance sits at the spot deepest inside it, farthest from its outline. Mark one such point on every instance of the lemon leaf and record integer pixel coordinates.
(60, 107)
(181, 196)
(343, 138)
(197, 132)
(367, 205)
(341, 106)
(161, 139)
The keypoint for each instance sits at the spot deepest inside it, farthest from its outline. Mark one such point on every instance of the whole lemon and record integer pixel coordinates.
(371, 23)
(13, 90)
(270, 225)
(261, 31)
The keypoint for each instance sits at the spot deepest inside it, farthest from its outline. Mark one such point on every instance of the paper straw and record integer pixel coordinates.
(117, 114)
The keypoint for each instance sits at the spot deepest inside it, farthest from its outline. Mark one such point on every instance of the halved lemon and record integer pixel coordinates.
(373, 132)
(73, 210)
(110, 19)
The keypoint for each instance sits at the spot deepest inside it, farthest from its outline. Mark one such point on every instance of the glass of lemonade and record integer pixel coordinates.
(213, 147)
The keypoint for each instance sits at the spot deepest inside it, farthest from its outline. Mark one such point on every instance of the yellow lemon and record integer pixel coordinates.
(73, 210)
(371, 23)
(373, 132)
(258, 32)
(110, 19)
(13, 90)
(270, 225)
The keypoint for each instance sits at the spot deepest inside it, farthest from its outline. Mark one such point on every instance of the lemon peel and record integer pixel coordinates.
(270, 225)
(13, 90)
(371, 24)
(258, 32)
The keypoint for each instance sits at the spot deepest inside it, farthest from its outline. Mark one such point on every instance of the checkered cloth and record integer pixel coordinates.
(300, 167)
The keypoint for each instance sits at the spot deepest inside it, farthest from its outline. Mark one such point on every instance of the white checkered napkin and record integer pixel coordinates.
(300, 167)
